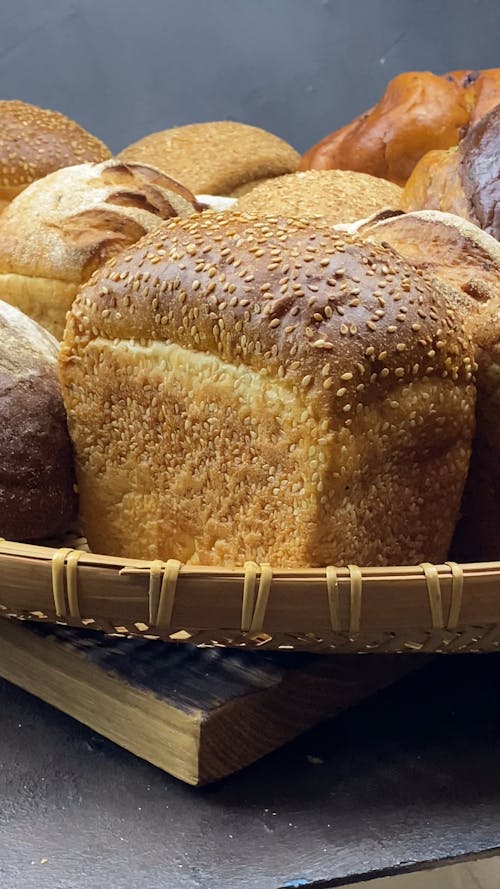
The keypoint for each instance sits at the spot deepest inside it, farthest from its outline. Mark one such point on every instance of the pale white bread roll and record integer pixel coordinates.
(64, 226)
(37, 497)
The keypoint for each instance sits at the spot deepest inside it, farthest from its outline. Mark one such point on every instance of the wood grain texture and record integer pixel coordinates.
(199, 714)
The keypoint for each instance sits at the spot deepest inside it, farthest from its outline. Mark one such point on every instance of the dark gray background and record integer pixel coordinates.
(411, 776)
(301, 68)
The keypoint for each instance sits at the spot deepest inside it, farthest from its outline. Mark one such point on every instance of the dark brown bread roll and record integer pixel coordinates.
(37, 496)
(35, 142)
(267, 390)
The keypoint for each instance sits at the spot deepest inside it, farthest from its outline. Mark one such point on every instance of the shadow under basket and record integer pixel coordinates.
(429, 608)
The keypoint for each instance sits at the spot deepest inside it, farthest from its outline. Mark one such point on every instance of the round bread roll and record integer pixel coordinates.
(464, 180)
(445, 245)
(61, 228)
(468, 259)
(418, 112)
(269, 390)
(35, 142)
(334, 195)
(37, 496)
(219, 158)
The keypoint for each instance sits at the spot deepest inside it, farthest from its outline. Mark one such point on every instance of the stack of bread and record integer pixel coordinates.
(285, 367)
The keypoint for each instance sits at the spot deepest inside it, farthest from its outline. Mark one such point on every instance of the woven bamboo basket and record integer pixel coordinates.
(429, 608)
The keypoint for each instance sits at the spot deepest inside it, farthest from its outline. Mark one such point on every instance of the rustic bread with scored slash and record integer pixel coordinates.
(61, 228)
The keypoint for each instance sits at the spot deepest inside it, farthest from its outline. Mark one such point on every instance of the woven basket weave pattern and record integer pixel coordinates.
(430, 608)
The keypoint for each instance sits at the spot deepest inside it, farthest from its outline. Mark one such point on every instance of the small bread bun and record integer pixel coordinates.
(268, 390)
(463, 180)
(62, 227)
(35, 142)
(334, 195)
(37, 497)
(418, 112)
(218, 158)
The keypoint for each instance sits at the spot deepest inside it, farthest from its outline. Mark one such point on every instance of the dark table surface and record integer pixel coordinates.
(408, 778)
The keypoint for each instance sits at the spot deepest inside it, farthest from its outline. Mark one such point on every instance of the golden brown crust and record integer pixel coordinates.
(287, 317)
(445, 245)
(61, 228)
(215, 158)
(37, 497)
(35, 141)
(465, 180)
(334, 195)
(267, 389)
(419, 112)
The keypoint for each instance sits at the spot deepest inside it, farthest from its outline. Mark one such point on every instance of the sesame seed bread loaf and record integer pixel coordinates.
(35, 141)
(220, 157)
(61, 228)
(270, 390)
(37, 497)
(334, 195)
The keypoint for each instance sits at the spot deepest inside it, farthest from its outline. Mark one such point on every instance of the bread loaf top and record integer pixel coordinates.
(341, 320)
(442, 244)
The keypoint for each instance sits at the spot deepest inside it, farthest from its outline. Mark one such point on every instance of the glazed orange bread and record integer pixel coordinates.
(418, 112)
(269, 390)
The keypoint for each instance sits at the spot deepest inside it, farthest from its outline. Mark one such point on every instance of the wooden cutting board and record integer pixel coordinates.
(198, 713)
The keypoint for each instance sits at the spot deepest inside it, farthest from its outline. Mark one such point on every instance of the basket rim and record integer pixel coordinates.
(440, 607)
(45, 552)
